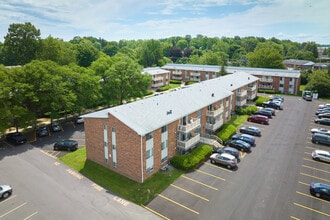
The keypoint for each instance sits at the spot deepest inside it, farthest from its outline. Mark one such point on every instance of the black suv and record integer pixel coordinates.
(69, 145)
(16, 138)
(320, 190)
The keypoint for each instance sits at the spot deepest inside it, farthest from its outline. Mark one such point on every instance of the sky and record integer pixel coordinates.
(114, 20)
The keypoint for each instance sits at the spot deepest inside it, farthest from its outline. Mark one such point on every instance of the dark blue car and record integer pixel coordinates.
(244, 137)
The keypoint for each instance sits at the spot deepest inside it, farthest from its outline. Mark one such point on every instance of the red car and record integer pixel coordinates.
(261, 119)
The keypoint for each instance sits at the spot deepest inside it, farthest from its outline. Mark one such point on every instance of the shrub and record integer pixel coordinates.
(226, 132)
(248, 110)
(163, 88)
(261, 99)
(175, 81)
(192, 160)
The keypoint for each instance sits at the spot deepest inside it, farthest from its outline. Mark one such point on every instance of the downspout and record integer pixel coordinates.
(141, 158)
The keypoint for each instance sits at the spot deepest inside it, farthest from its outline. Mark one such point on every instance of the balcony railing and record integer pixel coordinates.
(195, 74)
(265, 86)
(177, 77)
(156, 85)
(187, 144)
(241, 103)
(252, 88)
(214, 127)
(241, 94)
(215, 113)
(266, 80)
(193, 124)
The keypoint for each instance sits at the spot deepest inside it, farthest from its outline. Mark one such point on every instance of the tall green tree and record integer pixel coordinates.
(6, 82)
(126, 80)
(86, 53)
(319, 81)
(21, 44)
(266, 58)
(151, 52)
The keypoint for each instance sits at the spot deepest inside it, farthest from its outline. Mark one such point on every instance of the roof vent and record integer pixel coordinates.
(169, 112)
(212, 95)
(231, 84)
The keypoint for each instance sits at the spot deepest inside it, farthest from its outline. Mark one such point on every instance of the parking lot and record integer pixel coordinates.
(272, 182)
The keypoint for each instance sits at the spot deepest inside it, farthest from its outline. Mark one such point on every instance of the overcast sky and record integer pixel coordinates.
(114, 20)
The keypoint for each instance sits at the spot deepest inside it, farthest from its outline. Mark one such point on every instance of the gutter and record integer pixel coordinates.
(141, 159)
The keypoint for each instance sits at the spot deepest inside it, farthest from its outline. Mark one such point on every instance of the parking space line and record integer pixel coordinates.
(31, 215)
(313, 168)
(313, 197)
(6, 200)
(203, 184)
(315, 177)
(97, 187)
(191, 193)
(306, 184)
(75, 174)
(212, 165)
(210, 175)
(183, 206)
(48, 154)
(242, 154)
(294, 218)
(313, 210)
(312, 148)
(153, 211)
(13, 210)
(307, 153)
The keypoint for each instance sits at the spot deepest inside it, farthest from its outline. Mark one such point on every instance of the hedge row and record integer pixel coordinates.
(226, 132)
(248, 110)
(175, 81)
(192, 160)
(261, 99)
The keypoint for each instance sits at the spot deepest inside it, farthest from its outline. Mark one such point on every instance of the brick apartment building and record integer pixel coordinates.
(138, 139)
(279, 80)
(159, 77)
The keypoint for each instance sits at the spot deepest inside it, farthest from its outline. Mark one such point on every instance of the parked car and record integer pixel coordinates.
(320, 190)
(224, 159)
(79, 120)
(68, 145)
(272, 104)
(324, 121)
(255, 131)
(324, 115)
(326, 105)
(228, 150)
(239, 145)
(320, 130)
(42, 132)
(318, 138)
(56, 127)
(321, 155)
(263, 112)
(261, 119)
(244, 137)
(271, 110)
(277, 98)
(322, 111)
(5, 191)
(16, 138)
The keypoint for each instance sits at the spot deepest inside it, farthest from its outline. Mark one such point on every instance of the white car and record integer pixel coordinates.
(321, 155)
(79, 120)
(320, 130)
(5, 191)
(326, 105)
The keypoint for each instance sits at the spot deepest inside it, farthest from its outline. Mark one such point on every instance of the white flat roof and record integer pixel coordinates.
(149, 114)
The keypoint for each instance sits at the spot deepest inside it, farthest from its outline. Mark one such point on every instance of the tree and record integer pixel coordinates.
(182, 44)
(111, 48)
(21, 44)
(6, 83)
(266, 58)
(175, 53)
(151, 52)
(126, 80)
(312, 47)
(86, 53)
(319, 81)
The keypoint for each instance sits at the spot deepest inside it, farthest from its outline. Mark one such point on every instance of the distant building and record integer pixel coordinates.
(279, 80)
(298, 64)
(160, 77)
(139, 138)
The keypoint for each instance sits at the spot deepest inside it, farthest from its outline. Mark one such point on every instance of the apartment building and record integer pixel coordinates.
(279, 80)
(159, 77)
(138, 139)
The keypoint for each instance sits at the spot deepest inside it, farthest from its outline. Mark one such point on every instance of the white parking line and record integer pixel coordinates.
(1, 216)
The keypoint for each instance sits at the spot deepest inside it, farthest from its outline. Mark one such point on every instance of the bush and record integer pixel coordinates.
(163, 88)
(268, 91)
(226, 132)
(261, 99)
(175, 81)
(248, 110)
(192, 160)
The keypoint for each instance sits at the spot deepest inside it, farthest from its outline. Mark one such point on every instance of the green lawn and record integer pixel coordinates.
(118, 184)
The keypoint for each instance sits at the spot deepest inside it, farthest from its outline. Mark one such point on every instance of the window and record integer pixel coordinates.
(113, 147)
(164, 128)
(149, 136)
(149, 153)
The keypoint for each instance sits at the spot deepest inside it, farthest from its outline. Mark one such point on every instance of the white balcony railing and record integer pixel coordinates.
(187, 144)
(214, 127)
(215, 113)
(266, 80)
(252, 88)
(241, 103)
(193, 124)
(241, 94)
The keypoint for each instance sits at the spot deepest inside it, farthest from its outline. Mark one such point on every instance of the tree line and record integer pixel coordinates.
(54, 77)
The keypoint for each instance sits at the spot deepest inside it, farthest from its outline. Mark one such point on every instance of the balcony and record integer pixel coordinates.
(215, 113)
(266, 80)
(193, 124)
(195, 74)
(179, 77)
(265, 86)
(214, 127)
(158, 78)
(252, 88)
(157, 85)
(241, 94)
(187, 144)
(241, 103)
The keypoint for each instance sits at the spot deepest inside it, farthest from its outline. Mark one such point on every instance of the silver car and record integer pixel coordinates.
(224, 159)
(5, 191)
(320, 130)
(321, 155)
